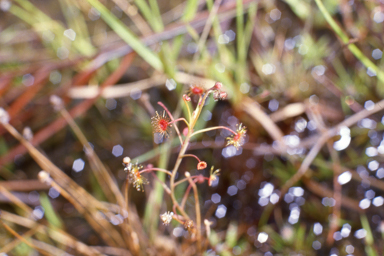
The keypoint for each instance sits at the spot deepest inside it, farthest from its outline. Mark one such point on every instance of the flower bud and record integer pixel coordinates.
(126, 160)
(218, 86)
(223, 95)
(186, 97)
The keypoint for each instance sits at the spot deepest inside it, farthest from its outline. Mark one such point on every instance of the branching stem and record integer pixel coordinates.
(180, 119)
(191, 155)
(197, 208)
(155, 169)
(213, 128)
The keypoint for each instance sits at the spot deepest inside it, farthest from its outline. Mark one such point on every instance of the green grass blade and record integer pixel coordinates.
(129, 37)
(250, 25)
(40, 21)
(49, 213)
(241, 51)
(352, 47)
(301, 8)
(369, 238)
(149, 15)
(190, 10)
(157, 15)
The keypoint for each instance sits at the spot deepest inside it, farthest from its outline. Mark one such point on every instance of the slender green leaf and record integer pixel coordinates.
(49, 213)
(157, 15)
(352, 47)
(128, 36)
(148, 15)
(190, 10)
(231, 237)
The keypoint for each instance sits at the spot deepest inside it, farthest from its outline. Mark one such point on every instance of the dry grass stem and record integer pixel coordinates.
(124, 90)
(254, 110)
(10, 246)
(15, 200)
(59, 236)
(26, 241)
(323, 139)
(102, 174)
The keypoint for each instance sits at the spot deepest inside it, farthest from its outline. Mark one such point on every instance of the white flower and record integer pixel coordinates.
(166, 217)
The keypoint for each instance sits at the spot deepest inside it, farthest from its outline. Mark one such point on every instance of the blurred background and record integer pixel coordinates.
(305, 77)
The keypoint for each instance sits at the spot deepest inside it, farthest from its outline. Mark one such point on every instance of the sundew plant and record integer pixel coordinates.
(162, 124)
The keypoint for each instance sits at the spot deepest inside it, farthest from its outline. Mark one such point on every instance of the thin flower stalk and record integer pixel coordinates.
(191, 155)
(180, 119)
(179, 159)
(166, 188)
(174, 171)
(213, 128)
(197, 208)
(186, 100)
(186, 193)
(177, 218)
(155, 169)
(185, 179)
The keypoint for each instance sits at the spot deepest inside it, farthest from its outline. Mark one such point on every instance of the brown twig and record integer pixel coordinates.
(76, 111)
(23, 185)
(254, 110)
(322, 191)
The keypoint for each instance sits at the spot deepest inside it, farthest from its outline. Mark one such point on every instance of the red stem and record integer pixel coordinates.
(191, 155)
(177, 120)
(166, 109)
(155, 169)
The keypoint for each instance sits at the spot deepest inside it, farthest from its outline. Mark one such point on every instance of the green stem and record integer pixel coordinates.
(176, 167)
(184, 147)
(189, 111)
(213, 128)
(345, 39)
(197, 208)
(179, 119)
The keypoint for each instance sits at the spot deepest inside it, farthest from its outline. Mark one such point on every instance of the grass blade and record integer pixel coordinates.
(127, 36)
(352, 47)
